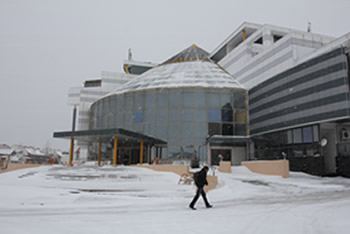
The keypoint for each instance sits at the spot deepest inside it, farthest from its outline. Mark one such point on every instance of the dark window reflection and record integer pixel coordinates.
(239, 99)
(227, 129)
(227, 113)
(240, 130)
(214, 129)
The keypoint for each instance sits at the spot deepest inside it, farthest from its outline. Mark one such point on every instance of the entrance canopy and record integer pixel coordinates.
(107, 133)
(227, 140)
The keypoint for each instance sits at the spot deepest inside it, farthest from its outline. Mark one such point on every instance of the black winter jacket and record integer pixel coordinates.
(201, 178)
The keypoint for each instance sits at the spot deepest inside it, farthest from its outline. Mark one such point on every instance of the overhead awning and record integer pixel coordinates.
(106, 133)
(227, 140)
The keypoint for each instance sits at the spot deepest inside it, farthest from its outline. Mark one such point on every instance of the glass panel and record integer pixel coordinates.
(187, 129)
(162, 130)
(129, 102)
(174, 130)
(214, 129)
(297, 135)
(187, 100)
(307, 135)
(119, 120)
(149, 129)
(174, 98)
(239, 99)
(226, 100)
(188, 115)
(138, 127)
(200, 99)
(149, 116)
(214, 115)
(201, 130)
(162, 115)
(138, 117)
(240, 116)
(162, 99)
(316, 135)
(213, 99)
(129, 117)
(227, 115)
(201, 115)
(227, 129)
(289, 137)
(120, 103)
(150, 100)
(139, 99)
(174, 115)
(240, 130)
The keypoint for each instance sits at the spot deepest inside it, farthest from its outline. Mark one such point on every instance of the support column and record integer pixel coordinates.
(244, 34)
(71, 150)
(115, 151)
(99, 152)
(141, 152)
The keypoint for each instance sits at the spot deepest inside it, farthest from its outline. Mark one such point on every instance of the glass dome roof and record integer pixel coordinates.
(189, 68)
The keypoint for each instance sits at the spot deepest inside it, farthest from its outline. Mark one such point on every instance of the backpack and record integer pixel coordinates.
(196, 176)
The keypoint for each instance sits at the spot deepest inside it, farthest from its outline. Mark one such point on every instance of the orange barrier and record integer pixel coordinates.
(225, 167)
(271, 167)
(14, 166)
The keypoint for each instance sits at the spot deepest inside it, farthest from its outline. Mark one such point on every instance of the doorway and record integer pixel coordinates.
(217, 154)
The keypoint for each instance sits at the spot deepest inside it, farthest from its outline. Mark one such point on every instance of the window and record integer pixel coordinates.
(214, 129)
(200, 99)
(138, 117)
(276, 38)
(174, 98)
(162, 99)
(259, 41)
(240, 129)
(227, 113)
(188, 114)
(227, 129)
(214, 115)
(187, 100)
(240, 116)
(316, 134)
(239, 100)
(213, 99)
(289, 137)
(150, 101)
(297, 136)
(307, 135)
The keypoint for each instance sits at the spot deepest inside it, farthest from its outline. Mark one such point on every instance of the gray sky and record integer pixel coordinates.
(46, 46)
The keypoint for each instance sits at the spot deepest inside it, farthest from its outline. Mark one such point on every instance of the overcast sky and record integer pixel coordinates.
(46, 46)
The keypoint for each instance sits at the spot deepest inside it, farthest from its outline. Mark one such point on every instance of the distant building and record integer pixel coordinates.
(29, 154)
(5, 154)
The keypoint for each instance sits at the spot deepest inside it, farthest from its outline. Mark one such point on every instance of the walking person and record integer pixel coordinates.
(200, 179)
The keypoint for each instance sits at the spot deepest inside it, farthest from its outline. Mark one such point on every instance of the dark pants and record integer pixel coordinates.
(200, 191)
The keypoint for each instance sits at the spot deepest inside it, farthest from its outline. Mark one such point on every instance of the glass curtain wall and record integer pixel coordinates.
(184, 117)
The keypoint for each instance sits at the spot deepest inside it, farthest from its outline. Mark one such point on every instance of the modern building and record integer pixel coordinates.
(298, 86)
(294, 85)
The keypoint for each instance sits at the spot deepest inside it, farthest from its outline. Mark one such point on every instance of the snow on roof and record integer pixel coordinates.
(33, 151)
(6, 151)
(189, 68)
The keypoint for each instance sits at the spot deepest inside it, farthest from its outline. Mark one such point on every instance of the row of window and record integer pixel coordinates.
(226, 129)
(305, 135)
(177, 98)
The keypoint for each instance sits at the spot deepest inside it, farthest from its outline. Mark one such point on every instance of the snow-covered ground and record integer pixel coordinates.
(88, 199)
